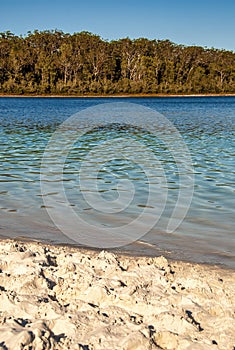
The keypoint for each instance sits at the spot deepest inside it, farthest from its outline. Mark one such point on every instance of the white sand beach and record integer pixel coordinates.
(54, 297)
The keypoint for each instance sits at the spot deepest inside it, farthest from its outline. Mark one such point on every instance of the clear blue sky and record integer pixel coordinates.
(206, 23)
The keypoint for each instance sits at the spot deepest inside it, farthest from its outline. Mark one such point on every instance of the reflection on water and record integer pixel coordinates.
(207, 127)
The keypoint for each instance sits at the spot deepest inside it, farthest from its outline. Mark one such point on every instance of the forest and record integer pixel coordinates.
(52, 62)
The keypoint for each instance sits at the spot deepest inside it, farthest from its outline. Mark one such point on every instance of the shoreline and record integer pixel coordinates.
(125, 254)
(115, 95)
(119, 253)
(61, 297)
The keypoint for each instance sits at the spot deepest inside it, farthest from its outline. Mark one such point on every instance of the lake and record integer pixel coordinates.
(138, 157)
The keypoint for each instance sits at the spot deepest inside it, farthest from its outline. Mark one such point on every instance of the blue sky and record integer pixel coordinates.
(206, 23)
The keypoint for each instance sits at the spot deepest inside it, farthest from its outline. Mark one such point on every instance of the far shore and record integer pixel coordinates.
(114, 95)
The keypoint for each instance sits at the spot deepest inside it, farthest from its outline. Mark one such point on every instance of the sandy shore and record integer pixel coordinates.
(65, 298)
(118, 95)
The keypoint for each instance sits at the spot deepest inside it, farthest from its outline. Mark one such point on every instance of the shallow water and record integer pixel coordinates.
(206, 125)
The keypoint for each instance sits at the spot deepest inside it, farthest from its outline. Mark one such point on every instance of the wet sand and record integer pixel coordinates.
(54, 297)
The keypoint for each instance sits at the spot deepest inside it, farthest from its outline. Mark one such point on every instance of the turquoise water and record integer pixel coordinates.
(206, 125)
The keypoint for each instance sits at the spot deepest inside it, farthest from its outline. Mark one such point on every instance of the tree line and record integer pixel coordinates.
(53, 62)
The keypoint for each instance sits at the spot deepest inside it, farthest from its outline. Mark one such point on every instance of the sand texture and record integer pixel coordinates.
(65, 298)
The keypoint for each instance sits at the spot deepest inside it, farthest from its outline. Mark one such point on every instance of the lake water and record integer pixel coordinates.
(206, 125)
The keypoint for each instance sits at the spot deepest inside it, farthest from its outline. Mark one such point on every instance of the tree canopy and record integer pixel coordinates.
(53, 62)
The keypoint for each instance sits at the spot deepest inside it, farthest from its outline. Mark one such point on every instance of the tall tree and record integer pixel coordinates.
(55, 62)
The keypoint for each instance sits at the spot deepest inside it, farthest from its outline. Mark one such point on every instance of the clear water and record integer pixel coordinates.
(207, 127)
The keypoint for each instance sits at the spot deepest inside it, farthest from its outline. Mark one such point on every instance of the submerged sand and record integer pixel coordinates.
(65, 298)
